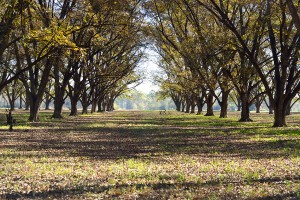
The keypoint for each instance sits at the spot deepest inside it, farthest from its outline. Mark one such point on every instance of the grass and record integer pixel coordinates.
(144, 155)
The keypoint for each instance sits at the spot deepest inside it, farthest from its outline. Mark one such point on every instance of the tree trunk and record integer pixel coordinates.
(200, 104)
(245, 114)
(110, 104)
(27, 102)
(182, 106)
(74, 101)
(279, 115)
(210, 104)
(239, 104)
(224, 104)
(100, 102)
(34, 109)
(21, 102)
(288, 108)
(188, 107)
(85, 109)
(58, 105)
(193, 103)
(178, 105)
(47, 104)
(257, 106)
(94, 106)
(271, 107)
(12, 104)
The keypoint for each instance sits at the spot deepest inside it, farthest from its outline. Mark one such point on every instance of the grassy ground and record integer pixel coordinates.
(144, 155)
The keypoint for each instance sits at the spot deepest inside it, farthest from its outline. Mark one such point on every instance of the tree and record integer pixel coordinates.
(283, 45)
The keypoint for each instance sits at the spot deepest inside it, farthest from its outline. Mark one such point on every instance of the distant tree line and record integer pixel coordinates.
(213, 51)
(86, 51)
(136, 100)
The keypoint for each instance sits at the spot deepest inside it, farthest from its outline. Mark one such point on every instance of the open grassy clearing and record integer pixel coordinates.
(145, 155)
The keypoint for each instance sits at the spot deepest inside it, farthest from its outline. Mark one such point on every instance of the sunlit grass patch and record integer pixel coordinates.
(148, 155)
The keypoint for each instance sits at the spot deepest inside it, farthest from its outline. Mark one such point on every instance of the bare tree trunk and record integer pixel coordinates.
(224, 104)
(279, 115)
(188, 107)
(245, 114)
(21, 101)
(239, 105)
(182, 106)
(74, 111)
(210, 104)
(34, 109)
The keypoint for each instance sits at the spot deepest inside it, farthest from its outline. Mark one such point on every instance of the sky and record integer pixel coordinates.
(150, 67)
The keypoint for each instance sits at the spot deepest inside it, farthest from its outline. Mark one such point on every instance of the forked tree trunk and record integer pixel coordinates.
(257, 104)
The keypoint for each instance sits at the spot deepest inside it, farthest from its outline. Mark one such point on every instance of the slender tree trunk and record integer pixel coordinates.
(104, 107)
(210, 104)
(100, 102)
(257, 106)
(239, 104)
(224, 104)
(271, 107)
(182, 106)
(21, 101)
(27, 102)
(47, 104)
(188, 107)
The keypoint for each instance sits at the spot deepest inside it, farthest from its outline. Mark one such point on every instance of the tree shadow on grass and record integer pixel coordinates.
(139, 142)
(212, 186)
